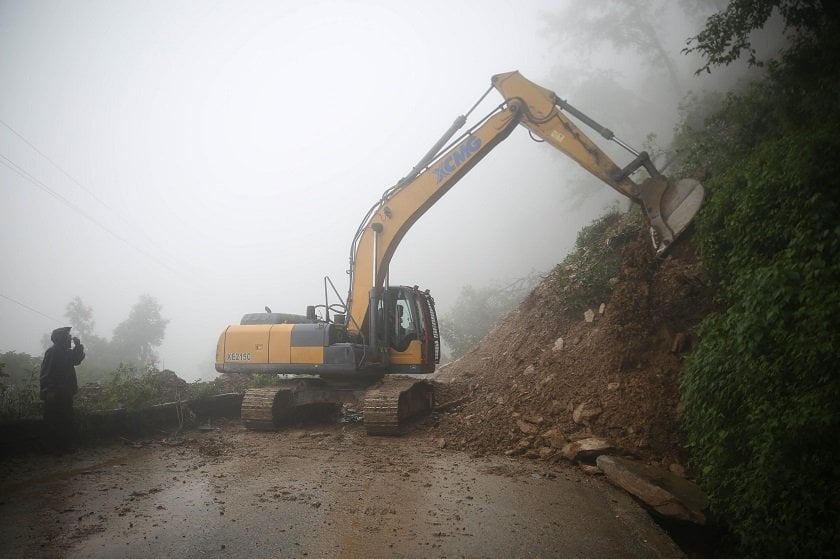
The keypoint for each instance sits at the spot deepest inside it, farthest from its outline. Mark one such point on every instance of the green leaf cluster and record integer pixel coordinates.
(18, 369)
(762, 391)
(19, 386)
(728, 33)
(126, 388)
(584, 277)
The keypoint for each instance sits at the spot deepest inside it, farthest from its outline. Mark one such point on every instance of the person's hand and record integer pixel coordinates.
(76, 341)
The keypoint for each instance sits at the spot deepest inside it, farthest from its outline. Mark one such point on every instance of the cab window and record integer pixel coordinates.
(404, 322)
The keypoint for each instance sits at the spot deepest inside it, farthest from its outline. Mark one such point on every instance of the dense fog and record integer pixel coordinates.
(219, 156)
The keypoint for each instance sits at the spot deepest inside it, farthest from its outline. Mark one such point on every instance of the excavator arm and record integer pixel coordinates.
(669, 207)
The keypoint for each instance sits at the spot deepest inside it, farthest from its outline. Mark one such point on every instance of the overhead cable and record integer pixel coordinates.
(25, 174)
(27, 307)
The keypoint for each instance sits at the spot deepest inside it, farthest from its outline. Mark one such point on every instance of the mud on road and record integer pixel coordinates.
(323, 491)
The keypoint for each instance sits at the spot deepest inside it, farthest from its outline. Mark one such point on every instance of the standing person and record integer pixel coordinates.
(59, 385)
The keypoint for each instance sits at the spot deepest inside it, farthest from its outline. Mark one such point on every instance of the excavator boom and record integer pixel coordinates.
(403, 205)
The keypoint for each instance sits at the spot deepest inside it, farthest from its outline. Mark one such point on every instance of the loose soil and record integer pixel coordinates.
(545, 376)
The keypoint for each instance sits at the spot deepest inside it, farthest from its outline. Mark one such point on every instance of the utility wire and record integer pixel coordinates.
(25, 174)
(27, 307)
(72, 179)
(57, 166)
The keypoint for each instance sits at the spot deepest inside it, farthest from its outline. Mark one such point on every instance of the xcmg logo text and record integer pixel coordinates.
(455, 159)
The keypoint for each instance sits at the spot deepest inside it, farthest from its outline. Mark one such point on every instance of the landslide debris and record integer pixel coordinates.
(553, 372)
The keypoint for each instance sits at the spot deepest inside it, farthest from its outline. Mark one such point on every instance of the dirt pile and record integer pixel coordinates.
(548, 375)
(171, 387)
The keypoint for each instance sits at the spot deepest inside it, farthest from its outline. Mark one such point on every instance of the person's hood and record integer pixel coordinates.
(60, 334)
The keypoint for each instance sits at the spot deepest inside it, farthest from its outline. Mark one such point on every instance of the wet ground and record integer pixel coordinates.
(323, 491)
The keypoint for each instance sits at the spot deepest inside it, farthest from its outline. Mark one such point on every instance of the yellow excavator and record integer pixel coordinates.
(373, 348)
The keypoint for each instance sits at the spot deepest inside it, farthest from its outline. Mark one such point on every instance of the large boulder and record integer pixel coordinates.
(667, 494)
(587, 450)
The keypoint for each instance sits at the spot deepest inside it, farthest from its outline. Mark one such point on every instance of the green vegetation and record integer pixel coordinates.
(122, 388)
(126, 389)
(132, 344)
(200, 389)
(128, 356)
(18, 369)
(477, 310)
(19, 385)
(583, 278)
(762, 392)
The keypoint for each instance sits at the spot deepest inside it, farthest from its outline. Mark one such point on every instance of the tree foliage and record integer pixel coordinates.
(762, 393)
(132, 344)
(637, 25)
(136, 337)
(18, 368)
(584, 277)
(129, 353)
(726, 35)
(80, 317)
(19, 373)
(477, 310)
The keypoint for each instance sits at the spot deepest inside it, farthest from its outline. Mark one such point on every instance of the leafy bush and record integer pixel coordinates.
(19, 394)
(583, 278)
(762, 393)
(200, 390)
(128, 389)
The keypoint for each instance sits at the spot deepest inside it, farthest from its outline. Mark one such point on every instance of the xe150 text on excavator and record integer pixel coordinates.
(362, 349)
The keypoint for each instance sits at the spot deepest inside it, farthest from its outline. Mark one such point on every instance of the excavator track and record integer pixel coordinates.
(261, 406)
(263, 409)
(386, 406)
(395, 400)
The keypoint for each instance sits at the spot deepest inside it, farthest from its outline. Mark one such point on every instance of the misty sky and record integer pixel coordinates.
(220, 155)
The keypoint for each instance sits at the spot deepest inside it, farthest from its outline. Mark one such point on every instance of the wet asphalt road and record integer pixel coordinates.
(327, 491)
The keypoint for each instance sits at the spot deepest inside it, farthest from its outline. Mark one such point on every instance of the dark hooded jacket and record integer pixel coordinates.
(58, 368)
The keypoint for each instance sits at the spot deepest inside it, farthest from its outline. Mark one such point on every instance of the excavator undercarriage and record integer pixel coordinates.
(387, 403)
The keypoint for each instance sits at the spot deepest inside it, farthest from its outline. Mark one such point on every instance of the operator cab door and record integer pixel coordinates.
(412, 331)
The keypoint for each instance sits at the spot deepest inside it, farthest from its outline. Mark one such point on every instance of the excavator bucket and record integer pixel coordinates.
(681, 202)
(670, 207)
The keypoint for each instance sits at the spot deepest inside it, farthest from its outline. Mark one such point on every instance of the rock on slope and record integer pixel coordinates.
(522, 391)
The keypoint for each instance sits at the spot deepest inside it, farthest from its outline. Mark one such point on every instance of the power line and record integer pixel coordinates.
(25, 174)
(76, 208)
(27, 307)
(72, 179)
(56, 165)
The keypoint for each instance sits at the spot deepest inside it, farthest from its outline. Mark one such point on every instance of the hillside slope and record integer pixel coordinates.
(523, 391)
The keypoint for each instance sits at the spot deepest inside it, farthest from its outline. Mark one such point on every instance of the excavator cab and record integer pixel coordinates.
(409, 330)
